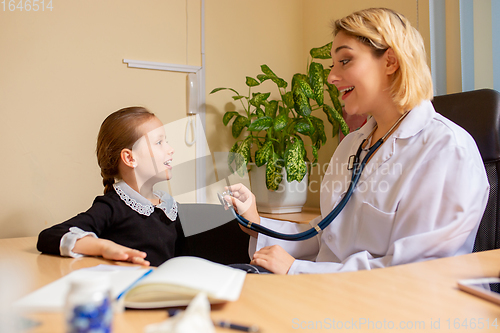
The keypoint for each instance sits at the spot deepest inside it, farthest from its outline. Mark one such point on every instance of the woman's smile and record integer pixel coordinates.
(346, 92)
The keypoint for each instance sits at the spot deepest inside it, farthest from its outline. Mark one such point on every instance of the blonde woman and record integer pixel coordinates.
(422, 193)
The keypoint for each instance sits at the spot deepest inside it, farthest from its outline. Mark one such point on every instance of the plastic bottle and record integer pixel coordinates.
(89, 305)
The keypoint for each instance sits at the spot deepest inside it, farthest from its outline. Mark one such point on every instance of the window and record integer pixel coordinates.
(471, 28)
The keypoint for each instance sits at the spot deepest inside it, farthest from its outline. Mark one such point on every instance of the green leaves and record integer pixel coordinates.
(271, 108)
(305, 88)
(264, 153)
(276, 128)
(319, 131)
(288, 99)
(332, 89)
(301, 94)
(316, 81)
(258, 99)
(261, 124)
(269, 75)
(232, 152)
(251, 82)
(315, 155)
(228, 116)
(219, 89)
(244, 149)
(243, 156)
(216, 90)
(336, 117)
(337, 106)
(279, 81)
(302, 106)
(322, 52)
(274, 168)
(294, 161)
(318, 138)
(239, 154)
(296, 78)
(239, 123)
(280, 122)
(304, 126)
(266, 70)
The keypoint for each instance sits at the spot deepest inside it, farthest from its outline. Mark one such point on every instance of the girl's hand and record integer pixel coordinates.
(273, 258)
(111, 250)
(244, 203)
(92, 246)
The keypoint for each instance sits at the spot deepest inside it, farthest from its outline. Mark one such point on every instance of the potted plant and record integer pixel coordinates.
(274, 129)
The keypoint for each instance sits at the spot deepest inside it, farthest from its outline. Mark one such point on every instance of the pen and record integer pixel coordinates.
(134, 283)
(227, 324)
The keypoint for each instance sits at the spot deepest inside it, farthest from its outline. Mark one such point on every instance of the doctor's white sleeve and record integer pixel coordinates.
(306, 249)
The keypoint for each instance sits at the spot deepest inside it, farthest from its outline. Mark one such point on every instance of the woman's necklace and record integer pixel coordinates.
(392, 129)
(354, 160)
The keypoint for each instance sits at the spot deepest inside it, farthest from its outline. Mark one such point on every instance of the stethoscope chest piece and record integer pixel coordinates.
(224, 202)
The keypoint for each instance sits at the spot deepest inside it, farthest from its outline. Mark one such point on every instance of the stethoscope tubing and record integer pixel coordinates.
(356, 174)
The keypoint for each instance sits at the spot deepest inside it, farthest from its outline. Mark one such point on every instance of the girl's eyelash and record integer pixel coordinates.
(331, 66)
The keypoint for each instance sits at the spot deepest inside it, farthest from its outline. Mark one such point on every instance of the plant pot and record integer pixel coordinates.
(289, 198)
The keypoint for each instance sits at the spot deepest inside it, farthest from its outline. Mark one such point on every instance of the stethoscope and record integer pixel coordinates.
(353, 164)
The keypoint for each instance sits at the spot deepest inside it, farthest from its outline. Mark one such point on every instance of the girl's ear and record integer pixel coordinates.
(127, 158)
(392, 63)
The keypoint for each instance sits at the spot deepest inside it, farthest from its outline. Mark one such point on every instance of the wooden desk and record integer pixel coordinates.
(305, 216)
(416, 295)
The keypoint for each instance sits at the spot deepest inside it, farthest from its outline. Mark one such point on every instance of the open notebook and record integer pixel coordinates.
(173, 283)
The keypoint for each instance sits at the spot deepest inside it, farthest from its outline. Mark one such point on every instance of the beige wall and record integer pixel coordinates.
(62, 74)
(241, 36)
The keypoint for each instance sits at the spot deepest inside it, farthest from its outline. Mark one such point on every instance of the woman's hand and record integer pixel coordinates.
(273, 258)
(109, 250)
(244, 203)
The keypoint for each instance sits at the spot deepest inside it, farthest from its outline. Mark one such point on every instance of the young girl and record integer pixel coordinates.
(129, 222)
(423, 192)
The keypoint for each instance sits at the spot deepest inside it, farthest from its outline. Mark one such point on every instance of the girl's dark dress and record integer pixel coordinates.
(126, 218)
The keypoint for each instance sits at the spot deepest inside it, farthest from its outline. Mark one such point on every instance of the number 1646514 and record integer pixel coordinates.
(26, 5)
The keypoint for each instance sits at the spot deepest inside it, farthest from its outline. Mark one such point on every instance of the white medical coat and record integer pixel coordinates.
(420, 197)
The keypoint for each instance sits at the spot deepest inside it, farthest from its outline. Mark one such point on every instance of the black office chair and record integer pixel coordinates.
(478, 112)
(225, 244)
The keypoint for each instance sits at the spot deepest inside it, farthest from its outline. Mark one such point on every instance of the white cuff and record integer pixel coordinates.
(69, 239)
(252, 246)
(294, 269)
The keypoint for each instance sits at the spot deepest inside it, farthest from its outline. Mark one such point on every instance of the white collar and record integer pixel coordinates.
(142, 205)
(416, 120)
